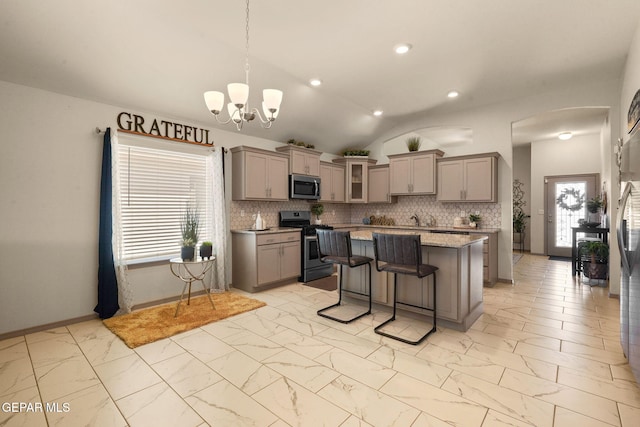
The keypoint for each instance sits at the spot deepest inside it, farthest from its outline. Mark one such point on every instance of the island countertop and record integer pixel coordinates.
(426, 238)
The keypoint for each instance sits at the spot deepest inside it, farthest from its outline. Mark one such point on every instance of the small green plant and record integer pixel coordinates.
(190, 227)
(355, 152)
(414, 143)
(594, 204)
(207, 244)
(317, 209)
(598, 252)
(474, 218)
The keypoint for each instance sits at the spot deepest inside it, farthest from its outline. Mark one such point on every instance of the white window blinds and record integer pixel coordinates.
(157, 186)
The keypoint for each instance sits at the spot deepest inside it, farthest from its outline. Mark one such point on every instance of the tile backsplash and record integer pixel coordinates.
(426, 207)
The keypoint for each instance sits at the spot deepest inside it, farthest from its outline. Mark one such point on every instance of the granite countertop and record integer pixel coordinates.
(426, 229)
(271, 230)
(426, 238)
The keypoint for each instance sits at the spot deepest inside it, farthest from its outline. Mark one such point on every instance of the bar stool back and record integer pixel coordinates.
(335, 247)
(402, 254)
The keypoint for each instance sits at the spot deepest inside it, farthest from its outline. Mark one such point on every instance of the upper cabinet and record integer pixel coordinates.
(304, 161)
(468, 178)
(413, 173)
(259, 174)
(357, 178)
(332, 184)
(379, 185)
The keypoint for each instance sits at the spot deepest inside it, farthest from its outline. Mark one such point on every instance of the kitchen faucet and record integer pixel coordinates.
(415, 216)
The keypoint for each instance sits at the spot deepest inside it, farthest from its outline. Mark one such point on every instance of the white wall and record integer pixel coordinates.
(630, 85)
(579, 155)
(50, 160)
(491, 127)
(522, 171)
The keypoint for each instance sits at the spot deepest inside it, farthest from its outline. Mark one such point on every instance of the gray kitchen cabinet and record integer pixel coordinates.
(459, 280)
(413, 173)
(468, 178)
(304, 161)
(259, 174)
(356, 279)
(264, 259)
(357, 178)
(379, 191)
(332, 183)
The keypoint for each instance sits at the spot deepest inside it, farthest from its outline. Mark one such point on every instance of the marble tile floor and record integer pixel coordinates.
(546, 352)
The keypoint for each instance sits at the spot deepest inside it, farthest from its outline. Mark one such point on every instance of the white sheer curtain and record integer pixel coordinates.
(125, 293)
(219, 227)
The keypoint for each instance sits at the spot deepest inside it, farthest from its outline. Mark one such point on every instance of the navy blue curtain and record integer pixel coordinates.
(107, 282)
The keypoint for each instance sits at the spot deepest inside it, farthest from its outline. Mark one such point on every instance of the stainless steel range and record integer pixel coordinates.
(311, 267)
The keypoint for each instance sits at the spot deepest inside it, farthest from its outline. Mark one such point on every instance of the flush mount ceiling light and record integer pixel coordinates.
(238, 108)
(565, 135)
(453, 94)
(402, 48)
(377, 113)
(315, 82)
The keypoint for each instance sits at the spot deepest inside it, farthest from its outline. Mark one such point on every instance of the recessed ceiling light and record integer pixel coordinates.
(453, 94)
(565, 135)
(402, 48)
(377, 113)
(315, 82)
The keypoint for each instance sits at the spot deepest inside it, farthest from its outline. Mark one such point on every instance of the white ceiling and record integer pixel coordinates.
(161, 55)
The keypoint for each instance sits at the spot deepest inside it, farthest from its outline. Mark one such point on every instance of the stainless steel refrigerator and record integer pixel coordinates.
(628, 231)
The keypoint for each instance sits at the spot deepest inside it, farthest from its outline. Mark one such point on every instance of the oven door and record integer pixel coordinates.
(311, 253)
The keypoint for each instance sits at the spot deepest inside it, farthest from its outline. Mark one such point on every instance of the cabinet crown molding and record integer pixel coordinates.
(438, 153)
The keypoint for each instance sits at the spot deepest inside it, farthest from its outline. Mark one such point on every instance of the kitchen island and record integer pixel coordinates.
(459, 259)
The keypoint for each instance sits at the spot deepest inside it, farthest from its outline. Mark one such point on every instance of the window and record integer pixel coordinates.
(156, 188)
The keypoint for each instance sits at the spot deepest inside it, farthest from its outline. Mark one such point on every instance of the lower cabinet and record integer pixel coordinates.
(265, 259)
(459, 283)
(356, 279)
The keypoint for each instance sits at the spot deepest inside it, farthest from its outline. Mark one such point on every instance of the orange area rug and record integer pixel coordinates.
(155, 323)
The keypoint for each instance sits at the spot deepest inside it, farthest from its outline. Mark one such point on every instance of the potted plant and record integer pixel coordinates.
(413, 143)
(474, 219)
(595, 256)
(190, 227)
(317, 209)
(519, 216)
(206, 250)
(354, 152)
(593, 207)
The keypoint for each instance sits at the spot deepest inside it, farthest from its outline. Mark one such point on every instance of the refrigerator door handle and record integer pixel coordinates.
(623, 203)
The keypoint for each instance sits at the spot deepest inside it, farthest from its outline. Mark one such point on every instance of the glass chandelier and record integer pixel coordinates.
(238, 109)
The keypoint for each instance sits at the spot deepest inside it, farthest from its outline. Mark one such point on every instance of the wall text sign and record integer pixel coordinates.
(136, 124)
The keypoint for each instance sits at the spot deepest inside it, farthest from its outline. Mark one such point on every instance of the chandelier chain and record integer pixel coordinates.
(246, 64)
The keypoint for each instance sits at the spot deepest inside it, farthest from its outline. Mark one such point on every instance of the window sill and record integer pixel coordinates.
(148, 262)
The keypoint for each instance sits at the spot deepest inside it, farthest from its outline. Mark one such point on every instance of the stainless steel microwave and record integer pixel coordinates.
(304, 187)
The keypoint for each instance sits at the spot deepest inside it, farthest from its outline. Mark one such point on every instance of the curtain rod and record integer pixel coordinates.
(101, 131)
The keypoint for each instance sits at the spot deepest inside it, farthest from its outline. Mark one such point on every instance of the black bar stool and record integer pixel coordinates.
(402, 254)
(335, 247)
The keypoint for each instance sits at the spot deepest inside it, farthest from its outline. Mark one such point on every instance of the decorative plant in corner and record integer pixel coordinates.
(190, 227)
(317, 209)
(414, 143)
(597, 254)
(206, 250)
(519, 217)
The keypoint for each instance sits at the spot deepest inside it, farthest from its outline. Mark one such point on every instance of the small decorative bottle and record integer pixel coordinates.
(259, 224)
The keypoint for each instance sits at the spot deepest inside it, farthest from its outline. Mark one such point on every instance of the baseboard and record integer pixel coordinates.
(47, 326)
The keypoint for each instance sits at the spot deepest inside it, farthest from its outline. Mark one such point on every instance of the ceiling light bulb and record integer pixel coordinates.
(403, 48)
(565, 135)
(315, 82)
(453, 94)
(377, 113)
